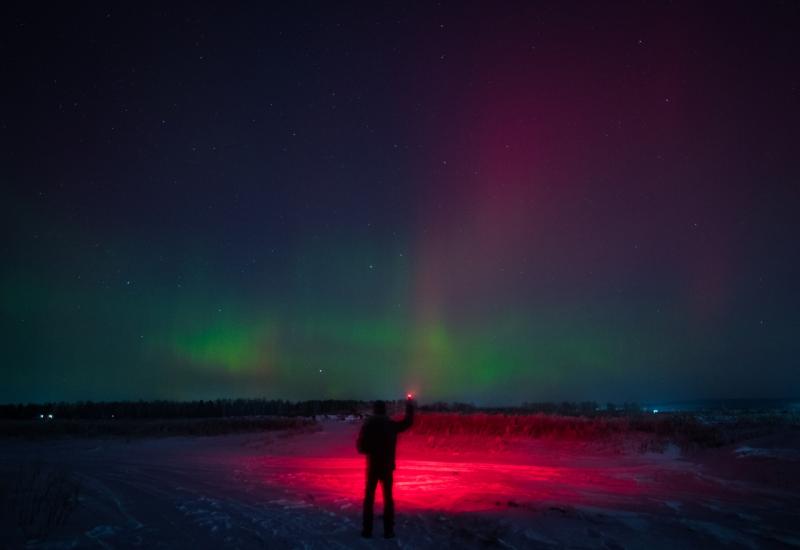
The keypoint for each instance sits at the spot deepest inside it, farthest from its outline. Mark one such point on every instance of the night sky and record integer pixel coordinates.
(491, 202)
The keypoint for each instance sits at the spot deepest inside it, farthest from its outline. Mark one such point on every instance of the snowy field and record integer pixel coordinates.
(302, 490)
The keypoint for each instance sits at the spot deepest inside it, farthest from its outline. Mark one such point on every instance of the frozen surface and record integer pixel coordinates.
(303, 490)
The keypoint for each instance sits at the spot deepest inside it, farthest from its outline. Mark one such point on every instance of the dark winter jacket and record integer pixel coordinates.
(378, 438)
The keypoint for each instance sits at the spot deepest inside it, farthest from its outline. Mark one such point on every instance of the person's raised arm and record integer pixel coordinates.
(408, 419)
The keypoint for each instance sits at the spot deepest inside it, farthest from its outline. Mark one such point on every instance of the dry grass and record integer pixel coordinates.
(151, 427)
(39, 500)
(685, 430)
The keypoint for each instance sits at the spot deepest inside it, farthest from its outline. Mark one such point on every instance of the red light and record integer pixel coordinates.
(409, 396)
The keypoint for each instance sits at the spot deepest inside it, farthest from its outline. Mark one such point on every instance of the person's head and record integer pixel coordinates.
(379, 407)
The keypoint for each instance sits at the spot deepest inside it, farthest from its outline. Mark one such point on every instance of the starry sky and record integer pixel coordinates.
(492, 202)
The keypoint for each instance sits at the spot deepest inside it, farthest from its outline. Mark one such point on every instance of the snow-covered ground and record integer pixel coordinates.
(302, 490)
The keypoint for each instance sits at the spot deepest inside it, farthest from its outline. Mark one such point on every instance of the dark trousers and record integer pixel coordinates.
(373, 477)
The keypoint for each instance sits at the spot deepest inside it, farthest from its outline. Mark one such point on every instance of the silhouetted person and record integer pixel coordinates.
(377, 440)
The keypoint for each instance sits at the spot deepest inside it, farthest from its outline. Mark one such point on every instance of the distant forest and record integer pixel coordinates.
(223, 408)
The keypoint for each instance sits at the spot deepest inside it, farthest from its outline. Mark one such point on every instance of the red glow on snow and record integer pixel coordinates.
(472, 479)
(462, 486)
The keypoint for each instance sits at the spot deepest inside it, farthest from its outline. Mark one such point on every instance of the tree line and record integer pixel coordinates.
(222, 408)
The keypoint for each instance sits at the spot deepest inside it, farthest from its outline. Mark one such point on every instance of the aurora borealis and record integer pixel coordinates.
(487, 202)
